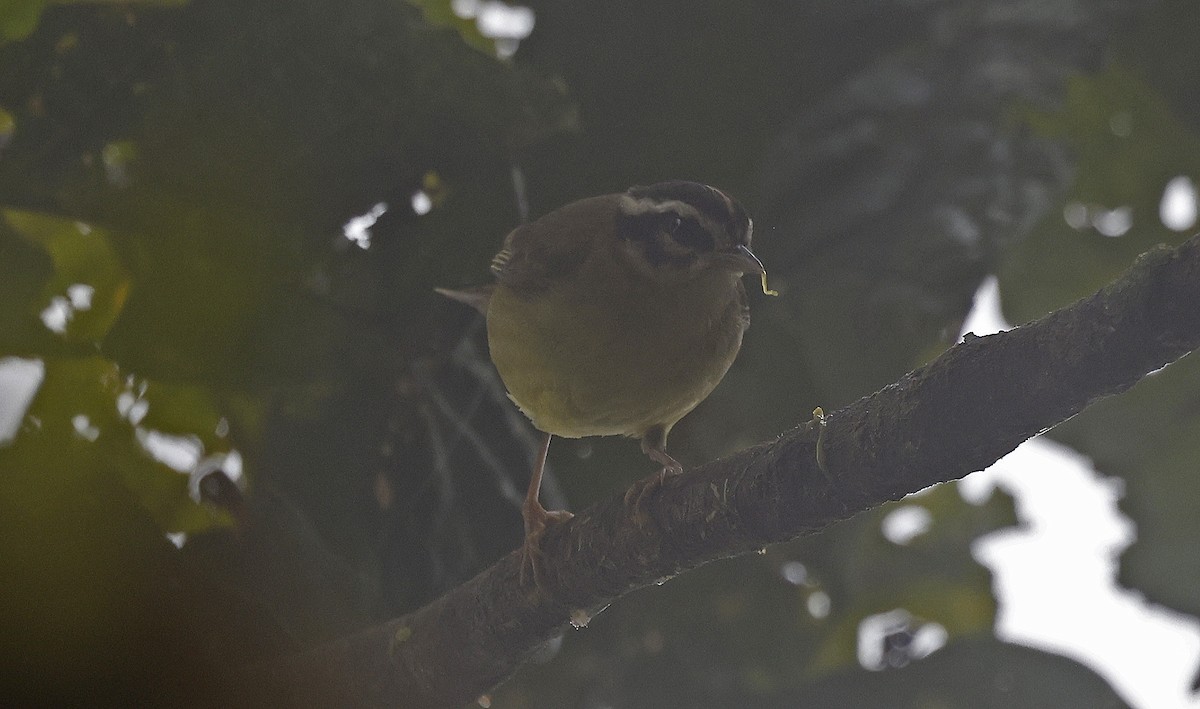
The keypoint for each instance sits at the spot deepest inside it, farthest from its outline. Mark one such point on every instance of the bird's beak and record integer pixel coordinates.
(745, 256)
(742, 260)
(739, 259)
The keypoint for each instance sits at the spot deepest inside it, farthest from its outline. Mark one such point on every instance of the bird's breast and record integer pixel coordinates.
(605, 356)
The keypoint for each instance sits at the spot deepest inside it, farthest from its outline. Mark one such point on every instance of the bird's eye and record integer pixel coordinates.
(639, 227)
(689, 233)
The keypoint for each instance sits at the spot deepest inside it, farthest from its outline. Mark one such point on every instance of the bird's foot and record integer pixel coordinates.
(537, 520)
(641, 491)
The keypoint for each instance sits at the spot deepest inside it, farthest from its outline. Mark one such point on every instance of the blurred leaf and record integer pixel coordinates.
(74, 428)
(1150, 436)
(25, 269)
(89, 287)
(979, 672)
(441, 13)
(715, 636)
(933, 576)
(83, 511)
(18, 18)
(277, 563)
(1164, 55)
(223, 148)
(226, 200)
(183, 410)
(1128, 145)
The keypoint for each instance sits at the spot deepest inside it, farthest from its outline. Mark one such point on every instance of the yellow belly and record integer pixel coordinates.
(613, 359)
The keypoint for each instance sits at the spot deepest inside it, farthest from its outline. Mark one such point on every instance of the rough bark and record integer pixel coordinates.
(957, 415)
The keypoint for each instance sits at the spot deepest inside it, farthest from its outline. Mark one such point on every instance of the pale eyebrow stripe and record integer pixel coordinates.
(633, 206)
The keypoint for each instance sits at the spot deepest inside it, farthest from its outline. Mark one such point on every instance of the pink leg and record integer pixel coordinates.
(537, 518)
(654, 445)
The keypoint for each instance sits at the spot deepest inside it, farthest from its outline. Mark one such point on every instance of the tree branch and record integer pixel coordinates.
(962, 412)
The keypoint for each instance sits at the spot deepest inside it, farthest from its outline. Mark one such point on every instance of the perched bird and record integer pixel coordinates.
(617, 315)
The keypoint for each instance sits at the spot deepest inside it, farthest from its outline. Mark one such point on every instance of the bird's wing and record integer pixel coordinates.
(532, 259)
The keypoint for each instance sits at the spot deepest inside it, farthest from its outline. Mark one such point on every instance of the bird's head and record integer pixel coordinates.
(681, 229)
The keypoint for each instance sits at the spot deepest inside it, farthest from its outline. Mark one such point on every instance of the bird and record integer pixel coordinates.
(616, 315)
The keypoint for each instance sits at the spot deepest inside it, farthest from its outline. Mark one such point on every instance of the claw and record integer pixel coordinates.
(537, 520)
(654, 445)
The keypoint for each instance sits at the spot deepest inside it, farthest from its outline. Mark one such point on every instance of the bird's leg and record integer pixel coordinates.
(537, 518)
(654, 445)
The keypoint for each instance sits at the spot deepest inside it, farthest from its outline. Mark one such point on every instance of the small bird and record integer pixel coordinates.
(617, 315)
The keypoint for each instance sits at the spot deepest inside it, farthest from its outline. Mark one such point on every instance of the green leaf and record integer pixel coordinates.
(89, 286)
(78, 429)
(89, 575)
(25, 269)
(1129, 144)
(1150, 436)
(979, 672)
(19, 17)
(440, 13)
(933, 576)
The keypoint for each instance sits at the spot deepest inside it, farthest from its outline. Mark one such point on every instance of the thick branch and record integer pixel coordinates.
(959, 414)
